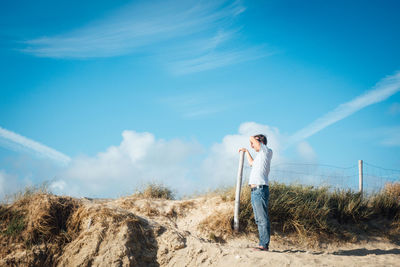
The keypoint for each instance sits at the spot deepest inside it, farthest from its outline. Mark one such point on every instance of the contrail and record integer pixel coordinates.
(34, 146)
(385, 88)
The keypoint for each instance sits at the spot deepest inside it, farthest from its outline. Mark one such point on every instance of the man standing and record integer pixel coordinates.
(258, 182)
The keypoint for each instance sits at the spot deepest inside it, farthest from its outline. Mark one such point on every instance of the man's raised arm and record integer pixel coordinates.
(248, 156)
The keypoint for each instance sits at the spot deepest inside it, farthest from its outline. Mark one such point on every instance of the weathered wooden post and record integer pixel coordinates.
(360, 176)
(238, 189)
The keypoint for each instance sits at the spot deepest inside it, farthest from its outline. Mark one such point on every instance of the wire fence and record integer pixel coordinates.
(374, 177)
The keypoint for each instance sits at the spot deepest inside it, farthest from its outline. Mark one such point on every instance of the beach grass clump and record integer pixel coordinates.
(156, 190)
(36, 219)
(218, 226)
(316, 213)
(41, 225)
(303, 209)
(392, 190)
(386, 203)
(46, 218)
(347, 206)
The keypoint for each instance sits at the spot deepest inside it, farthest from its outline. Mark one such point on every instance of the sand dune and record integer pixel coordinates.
(132, 231)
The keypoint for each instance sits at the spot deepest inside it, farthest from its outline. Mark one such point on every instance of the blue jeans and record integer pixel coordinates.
(259, 201)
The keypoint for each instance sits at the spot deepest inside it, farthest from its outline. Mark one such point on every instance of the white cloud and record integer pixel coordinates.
(385, 88)
(138, 159)
(18, 142)
(306, 152)
(59, 186)
(8, 184)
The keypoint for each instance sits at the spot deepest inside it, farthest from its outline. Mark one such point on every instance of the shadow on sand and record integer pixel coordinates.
(298, 251)
(364, 252)
(352, 252)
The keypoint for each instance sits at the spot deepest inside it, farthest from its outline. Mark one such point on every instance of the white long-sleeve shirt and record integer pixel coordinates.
(261, 166)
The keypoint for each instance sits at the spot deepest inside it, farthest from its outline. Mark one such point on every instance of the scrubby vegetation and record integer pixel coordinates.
(27, 192)
(41, 225)
(34, 220)
(317, 214)
(155, 190)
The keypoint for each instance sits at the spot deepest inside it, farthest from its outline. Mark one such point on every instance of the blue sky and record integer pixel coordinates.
(190, 78)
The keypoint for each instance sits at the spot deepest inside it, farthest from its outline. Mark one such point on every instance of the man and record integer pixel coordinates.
(258, 182)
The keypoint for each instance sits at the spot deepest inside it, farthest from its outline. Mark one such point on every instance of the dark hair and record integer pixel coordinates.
(261, 138)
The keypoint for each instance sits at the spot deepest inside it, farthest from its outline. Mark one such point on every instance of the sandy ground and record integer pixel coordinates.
(131, 231)
(238, 253)
(198, 251)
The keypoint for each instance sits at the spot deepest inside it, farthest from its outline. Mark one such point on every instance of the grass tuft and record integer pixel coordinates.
(218, 225)
(392, 190)
(155, 190)
(28, 192)
(16, 222)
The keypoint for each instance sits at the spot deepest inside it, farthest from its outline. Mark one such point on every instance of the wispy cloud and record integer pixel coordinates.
(385, 88)
(155, 27)
(386, 136)
(215, 59)
(195, 105)
(391, 136)
(394, 109)
(19, 142)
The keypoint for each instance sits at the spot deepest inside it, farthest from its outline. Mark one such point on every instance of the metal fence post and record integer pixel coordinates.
(360, 176)
(238, 189)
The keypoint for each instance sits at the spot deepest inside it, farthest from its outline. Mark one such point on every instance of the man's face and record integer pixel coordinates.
(255, 145)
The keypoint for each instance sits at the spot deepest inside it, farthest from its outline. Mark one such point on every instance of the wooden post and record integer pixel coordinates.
(360, 176)
(238, 189)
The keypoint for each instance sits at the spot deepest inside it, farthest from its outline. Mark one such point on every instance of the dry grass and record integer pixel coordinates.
(185, 206)
(392, 190)
(154, 190)
(149, 210)
(177, 209)
(316, 214)
(27, 192)
(43, 224)
(387, 202)
(36, 219)
(48, 219)
(218, 226)
(16, 222)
